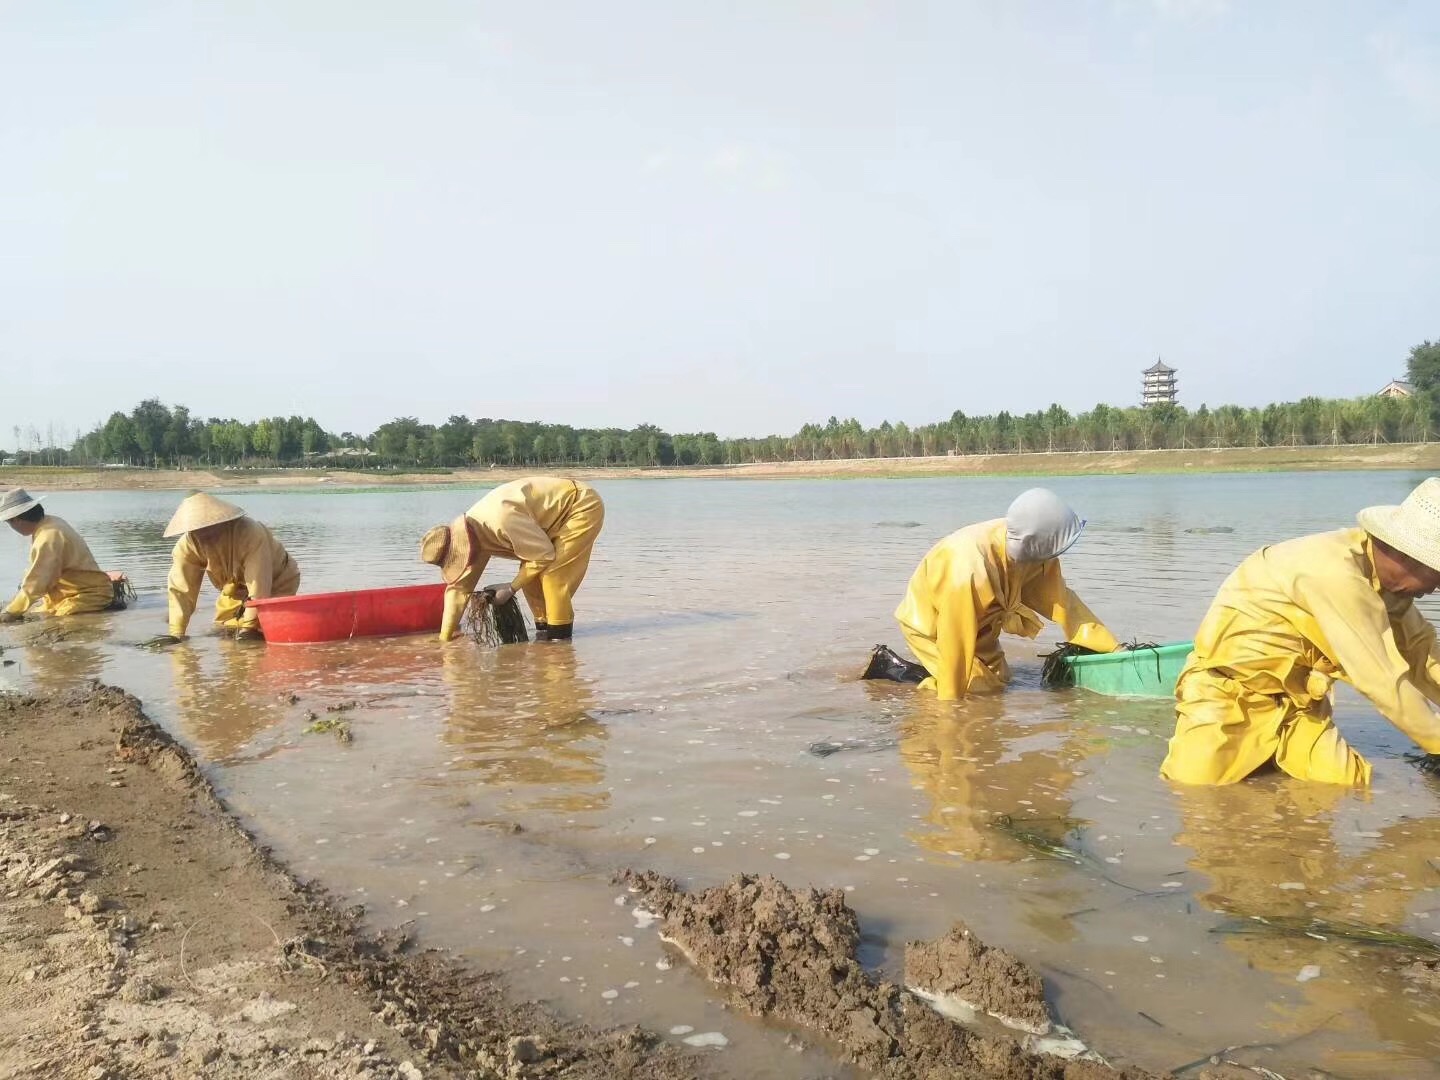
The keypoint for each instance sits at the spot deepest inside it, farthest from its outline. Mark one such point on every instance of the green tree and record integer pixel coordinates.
(261, 435)
(1423, 367)
(150, 420)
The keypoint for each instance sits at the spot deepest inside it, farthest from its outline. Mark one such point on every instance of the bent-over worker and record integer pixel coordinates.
(1291, 620)
(63, 578)
(241, 557)
(548, 524)
(1001, 575)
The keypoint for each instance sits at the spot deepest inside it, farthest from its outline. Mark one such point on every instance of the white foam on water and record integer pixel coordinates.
(707, 1038)
(1063, 1043)
(956, 1008)
(1308, 972)
(644, 919)
(681, 1029)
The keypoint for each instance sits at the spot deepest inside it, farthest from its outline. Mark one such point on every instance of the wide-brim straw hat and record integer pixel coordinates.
(451, 547)
(15, 502)
(200, 511)
(1413, 527)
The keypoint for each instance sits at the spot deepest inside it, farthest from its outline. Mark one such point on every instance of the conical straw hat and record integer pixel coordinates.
(1413, 527)
(200, 511)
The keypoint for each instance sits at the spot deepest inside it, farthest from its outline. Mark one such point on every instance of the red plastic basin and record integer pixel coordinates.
(336, 616)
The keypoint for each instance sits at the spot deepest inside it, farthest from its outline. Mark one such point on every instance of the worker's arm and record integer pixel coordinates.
(457, 598)
(1049, 596)
(46, 563)
(187, 571)
(257, 571)
(1359, 636)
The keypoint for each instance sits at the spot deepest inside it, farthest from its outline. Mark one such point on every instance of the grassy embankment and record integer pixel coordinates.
(1418, 456)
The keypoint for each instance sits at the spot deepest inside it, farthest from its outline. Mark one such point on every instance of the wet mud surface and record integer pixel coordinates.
(790, 954)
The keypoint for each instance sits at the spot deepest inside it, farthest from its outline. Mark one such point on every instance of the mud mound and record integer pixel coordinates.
(961, 966)
(790, 954)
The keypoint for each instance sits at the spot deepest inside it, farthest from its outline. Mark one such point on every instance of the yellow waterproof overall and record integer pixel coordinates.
(1291, 620)
(550, 525)
(966, 591)
(243, 560)
(63, 577)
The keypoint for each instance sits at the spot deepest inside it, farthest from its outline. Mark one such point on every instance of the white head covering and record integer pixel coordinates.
(1039, 526)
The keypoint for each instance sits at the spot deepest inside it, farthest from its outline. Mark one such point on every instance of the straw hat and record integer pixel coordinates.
(451, 547)
(15, 502)
(200, 511)
(1413, 527)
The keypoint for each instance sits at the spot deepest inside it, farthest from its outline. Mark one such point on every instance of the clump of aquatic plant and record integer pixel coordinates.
(492, 624)
(1429, 764)
(339, 728)
(1038, 841)
(1324, 930)
(1057, 672)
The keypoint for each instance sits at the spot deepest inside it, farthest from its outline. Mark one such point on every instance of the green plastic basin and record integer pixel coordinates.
(1137, 673)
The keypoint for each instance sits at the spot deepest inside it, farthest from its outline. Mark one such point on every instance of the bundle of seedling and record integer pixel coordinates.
(491, 624)
(1057, 671)
(1325, 930)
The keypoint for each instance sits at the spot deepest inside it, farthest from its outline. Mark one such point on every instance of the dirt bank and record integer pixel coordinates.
(790, 954)
(143, 934)
(1108, 463)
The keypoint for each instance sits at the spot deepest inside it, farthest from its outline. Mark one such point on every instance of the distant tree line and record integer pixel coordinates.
(154, 434)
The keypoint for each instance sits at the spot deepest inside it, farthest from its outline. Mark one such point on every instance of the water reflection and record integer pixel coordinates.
(58, 654)
(523, 718)
(998, 771)
(219, 699)
(1277, 848)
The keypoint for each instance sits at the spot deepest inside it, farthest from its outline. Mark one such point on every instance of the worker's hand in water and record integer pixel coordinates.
(11, 616)
(248, 633)
(160, 641)
(499, 594)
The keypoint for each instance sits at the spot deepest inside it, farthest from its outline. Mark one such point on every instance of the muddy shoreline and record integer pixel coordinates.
(144, 933)
(1106, 463)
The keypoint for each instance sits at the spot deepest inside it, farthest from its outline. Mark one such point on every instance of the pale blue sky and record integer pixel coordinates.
(735, 217)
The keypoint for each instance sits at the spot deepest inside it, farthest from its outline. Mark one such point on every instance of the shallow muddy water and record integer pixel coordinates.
(707, 720)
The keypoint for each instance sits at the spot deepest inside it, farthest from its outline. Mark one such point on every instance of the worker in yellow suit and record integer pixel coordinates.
(63, 578)
(548, 524)
(241, 556)
(1001, 575)
(1291, 620)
